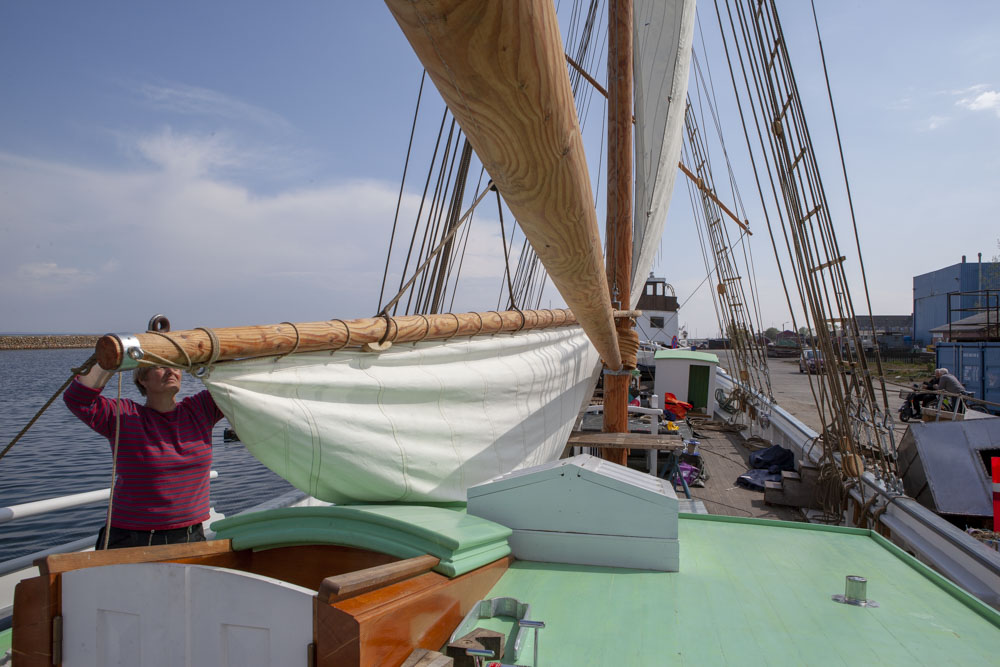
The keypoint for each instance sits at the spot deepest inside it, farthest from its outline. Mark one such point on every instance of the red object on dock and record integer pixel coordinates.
(996, 493)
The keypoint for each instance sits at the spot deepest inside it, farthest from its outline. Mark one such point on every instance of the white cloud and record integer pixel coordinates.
(189, 155)
(173, 237)
(987, 100)
(195, 101)
(49, 277)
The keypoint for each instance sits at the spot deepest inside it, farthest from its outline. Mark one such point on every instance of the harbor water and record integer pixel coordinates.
(59, 455)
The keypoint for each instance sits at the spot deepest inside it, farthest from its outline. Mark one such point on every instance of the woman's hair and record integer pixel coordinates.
(140, 373)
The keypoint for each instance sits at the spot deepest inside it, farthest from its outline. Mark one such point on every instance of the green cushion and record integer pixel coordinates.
(461, 542)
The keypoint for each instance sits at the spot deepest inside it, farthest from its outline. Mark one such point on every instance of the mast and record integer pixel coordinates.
(618, 232)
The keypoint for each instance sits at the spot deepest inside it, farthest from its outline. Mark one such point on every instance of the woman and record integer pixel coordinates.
(161, 495)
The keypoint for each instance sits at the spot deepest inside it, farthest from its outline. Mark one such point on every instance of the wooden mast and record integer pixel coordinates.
(619, 221)
(501, 68)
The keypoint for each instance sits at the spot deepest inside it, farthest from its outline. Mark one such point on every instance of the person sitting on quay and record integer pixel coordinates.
(161, 495)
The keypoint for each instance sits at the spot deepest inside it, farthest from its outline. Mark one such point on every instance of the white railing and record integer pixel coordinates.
(47, 505)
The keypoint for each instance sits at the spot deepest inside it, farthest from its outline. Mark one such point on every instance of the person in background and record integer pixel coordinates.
(949, 383)
(161, 495)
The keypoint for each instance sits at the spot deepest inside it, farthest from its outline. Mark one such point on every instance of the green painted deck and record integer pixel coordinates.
(754, 592)
(462, 542)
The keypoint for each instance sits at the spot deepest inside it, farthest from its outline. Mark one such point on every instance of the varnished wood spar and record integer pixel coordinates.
(500, 68)
(276, 339)
(619, 220)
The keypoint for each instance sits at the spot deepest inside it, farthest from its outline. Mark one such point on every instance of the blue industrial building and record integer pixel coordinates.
(930, 295)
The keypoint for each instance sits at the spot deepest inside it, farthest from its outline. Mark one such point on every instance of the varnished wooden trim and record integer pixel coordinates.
(58, 563)
(347, 585)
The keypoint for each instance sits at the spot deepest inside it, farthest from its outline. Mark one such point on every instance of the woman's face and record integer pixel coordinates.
(162, 380)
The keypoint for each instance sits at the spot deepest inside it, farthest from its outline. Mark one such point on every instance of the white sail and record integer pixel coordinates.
(661, 62)
(419, 422)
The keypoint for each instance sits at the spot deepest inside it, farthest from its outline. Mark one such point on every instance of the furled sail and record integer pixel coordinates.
(661, 62)
(419, 422)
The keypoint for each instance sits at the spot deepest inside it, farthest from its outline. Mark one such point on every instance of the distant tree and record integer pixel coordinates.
(772, 333)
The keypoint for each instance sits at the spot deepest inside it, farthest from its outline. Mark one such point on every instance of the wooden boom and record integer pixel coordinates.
(500, 68)
(285, 338)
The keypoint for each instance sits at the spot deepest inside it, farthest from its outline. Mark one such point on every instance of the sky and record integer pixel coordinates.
(231, 164)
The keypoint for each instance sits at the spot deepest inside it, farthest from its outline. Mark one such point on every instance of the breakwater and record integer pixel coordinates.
(46, 342)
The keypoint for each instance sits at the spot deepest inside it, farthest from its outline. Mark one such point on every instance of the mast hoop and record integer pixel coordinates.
(298, 339)
(389, 323)
(458, 325)
(427, 329)
(347, 341)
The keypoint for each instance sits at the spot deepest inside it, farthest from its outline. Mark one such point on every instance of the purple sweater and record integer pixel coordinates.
(164, 459)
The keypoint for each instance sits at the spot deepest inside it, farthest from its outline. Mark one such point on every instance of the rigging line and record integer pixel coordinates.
(753, 162)
(114, 463)
(850, 200)
(399, 198)
(82, 369)
(465, 243)
(461, 178)
(506, 256)
(420, 268)
(434, 216)
(712, 102)
(423, 201)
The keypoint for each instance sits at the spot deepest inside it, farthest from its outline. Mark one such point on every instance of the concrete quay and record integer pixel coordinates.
(46, 342)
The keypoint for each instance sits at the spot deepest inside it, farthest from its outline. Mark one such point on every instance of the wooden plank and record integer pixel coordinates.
(501, 69)
(349, 584)
(284, 338)
(167, 552)
(35, 604)
(625, 440)
(384, 626)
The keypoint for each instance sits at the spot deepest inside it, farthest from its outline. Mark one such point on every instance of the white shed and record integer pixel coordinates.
(688, 375)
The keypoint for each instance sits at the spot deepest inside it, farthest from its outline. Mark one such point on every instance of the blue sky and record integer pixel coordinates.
(239, 163)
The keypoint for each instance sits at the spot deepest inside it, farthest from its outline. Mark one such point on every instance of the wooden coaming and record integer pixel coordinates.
(384, 620)
(382, 627)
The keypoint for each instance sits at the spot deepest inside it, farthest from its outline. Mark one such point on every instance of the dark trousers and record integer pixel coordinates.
(121, 538)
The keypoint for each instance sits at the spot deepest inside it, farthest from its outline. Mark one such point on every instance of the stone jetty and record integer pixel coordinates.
(46, 342)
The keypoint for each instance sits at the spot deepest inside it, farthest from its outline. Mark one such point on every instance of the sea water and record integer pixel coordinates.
(59, 455)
